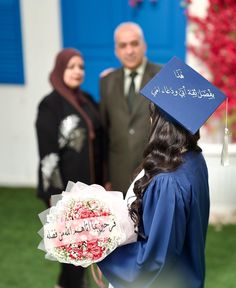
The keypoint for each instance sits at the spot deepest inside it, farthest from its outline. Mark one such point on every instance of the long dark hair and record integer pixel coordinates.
(163, 153)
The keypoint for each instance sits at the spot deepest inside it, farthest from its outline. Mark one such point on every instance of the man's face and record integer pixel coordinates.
(130, 47)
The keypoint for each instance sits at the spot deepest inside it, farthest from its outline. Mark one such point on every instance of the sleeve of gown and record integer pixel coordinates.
(164, 221)
(47, 136)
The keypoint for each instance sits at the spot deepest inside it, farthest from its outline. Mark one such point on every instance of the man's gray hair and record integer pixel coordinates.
(132, 24)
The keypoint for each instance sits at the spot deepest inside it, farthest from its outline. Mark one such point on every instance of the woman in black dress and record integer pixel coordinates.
(69, 138)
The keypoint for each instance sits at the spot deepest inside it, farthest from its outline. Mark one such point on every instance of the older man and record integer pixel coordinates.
(125, 114)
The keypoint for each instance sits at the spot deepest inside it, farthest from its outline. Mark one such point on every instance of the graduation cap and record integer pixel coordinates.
(183, 94)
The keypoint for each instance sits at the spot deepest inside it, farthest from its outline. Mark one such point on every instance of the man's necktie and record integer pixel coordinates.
(131, 92)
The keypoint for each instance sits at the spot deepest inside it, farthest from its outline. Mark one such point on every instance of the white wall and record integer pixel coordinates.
(18, 104)
(197, 8)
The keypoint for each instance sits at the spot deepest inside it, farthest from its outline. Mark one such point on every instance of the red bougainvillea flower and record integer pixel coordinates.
(217, 35)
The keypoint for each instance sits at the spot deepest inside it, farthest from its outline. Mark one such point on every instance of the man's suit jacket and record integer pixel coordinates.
(127, 133)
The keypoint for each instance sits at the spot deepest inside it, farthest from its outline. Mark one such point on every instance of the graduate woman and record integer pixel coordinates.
(171, 205)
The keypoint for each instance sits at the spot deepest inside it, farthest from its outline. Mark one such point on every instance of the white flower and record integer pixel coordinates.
(50, 171)
(49, 163)
(70, 134)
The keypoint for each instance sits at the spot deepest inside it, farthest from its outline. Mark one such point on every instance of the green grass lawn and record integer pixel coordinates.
(22, 265)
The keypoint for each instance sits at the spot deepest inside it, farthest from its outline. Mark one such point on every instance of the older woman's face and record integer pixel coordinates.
(74, 73)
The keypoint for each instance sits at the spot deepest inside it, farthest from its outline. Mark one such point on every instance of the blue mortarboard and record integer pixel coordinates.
(183, 94)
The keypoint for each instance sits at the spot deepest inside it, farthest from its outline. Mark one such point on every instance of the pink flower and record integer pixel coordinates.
(85, 250)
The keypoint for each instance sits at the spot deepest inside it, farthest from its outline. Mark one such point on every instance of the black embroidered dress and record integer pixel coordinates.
(67, 153)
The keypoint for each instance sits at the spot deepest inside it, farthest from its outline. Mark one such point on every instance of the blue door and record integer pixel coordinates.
(88, 25)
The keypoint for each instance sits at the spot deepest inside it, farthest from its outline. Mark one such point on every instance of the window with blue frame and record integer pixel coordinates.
(11, 56)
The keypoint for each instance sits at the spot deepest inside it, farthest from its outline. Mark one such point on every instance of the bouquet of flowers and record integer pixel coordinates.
(85, 224)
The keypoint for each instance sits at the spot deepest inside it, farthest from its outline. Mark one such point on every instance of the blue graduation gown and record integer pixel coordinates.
(174, 221)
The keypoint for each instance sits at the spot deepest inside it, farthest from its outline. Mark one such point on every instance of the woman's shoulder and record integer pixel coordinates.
(52, 96)
(167, 178)
(50, 99)
(191, 171)
(88, 96)
(168, 186)
(90, 99)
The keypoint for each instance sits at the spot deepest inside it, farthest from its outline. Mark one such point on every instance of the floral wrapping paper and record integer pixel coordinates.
(85, 224)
